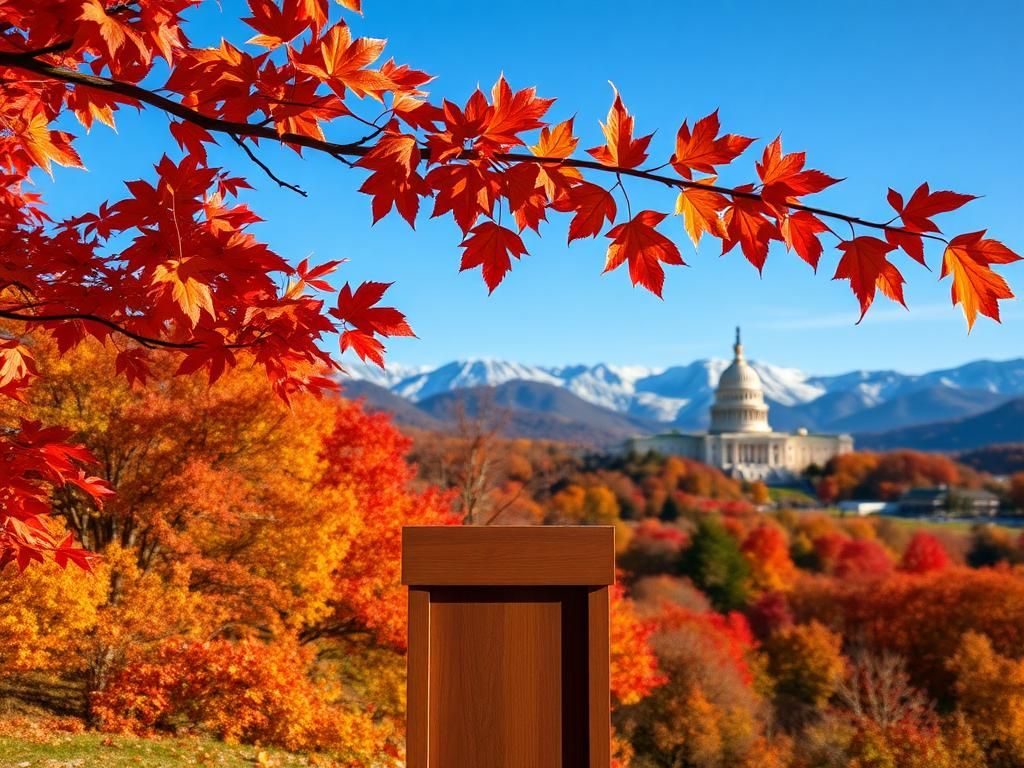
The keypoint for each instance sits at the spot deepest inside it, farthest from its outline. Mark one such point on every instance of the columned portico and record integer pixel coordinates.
(740, 441)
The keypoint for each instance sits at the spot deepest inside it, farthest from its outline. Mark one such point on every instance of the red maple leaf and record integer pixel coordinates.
(514, 113)
(865, 265)
(621, 150)
(800, 231)
(746, 223)
(592, 205)
(783, 176)
(702, 149)
(923, 204)
(490, 247)
(638, 242)
(364, 320)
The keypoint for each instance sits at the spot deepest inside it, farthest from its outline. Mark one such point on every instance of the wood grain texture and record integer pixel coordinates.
(599, 694)
(418, 680)
(507, 555)
(508, 647)
(495, 674)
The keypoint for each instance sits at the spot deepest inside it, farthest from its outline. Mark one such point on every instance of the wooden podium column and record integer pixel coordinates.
(508, 646)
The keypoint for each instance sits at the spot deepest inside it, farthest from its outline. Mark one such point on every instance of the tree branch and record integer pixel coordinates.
(144, 340)
(358, 149)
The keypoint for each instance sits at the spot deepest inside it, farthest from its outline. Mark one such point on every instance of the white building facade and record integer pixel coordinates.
(740, 441)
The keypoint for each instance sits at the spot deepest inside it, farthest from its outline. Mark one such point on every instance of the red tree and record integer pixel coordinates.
(924, 554)
(172, 265)
(862, 559)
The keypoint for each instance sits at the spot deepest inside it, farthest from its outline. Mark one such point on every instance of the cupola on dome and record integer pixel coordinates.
(739, 399)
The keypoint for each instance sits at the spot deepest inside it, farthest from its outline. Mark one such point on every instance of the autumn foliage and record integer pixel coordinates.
(869, 475)
(270, 539)
(174, 266)
(738, 636)
(262, 514)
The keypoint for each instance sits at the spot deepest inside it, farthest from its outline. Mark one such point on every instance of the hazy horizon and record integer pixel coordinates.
(393, 362)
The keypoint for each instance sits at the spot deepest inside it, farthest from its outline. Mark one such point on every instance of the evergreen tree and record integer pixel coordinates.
(715, 564)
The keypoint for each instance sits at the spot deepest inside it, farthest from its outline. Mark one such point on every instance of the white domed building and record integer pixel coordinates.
(740, 441)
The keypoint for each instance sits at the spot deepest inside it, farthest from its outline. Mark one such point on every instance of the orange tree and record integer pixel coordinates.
(173, 266)
(267, 536)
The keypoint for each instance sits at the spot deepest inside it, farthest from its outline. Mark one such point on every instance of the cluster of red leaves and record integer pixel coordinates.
(924, 554)
(33, 461)
(634, 668)
(920, 617)
(368, 455)
(174, 266)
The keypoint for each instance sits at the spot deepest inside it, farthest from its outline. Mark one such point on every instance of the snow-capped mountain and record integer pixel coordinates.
(386, 377)
(466, 374)
(681, 395)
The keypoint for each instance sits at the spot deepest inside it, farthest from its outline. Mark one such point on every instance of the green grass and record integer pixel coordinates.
(89, 750)
(961, 525)
(785, 496)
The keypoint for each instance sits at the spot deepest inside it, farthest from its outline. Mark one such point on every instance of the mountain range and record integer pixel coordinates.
(601, 404)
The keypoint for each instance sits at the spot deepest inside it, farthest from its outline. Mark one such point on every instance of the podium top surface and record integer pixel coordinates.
(508, 555)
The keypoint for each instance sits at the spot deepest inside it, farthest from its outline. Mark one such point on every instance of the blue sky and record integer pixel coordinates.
(881, 93)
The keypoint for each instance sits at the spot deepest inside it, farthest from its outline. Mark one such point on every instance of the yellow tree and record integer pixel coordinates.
(246, 522)
(990, 693)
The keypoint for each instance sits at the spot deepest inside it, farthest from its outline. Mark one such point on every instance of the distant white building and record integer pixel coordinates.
(740, 441)
(863, 508)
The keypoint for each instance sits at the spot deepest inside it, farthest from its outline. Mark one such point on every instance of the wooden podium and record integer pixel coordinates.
(508, 646)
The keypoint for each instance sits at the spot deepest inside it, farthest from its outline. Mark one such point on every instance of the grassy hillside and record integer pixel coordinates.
(26, 746)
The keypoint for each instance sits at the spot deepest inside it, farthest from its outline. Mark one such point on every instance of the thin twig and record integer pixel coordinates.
(266, 169)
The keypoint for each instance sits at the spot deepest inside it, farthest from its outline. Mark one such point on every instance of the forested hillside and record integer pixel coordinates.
(742, 634)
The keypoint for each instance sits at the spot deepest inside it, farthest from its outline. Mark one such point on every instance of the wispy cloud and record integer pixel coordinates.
(876, 316)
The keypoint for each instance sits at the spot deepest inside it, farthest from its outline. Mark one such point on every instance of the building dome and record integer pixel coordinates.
(739, 400)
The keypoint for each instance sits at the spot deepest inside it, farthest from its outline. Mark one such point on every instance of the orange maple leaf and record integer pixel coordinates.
(514, 113)
(975, 286)
(556, 141)
(45, 146)
(701, 211)
(16, 363)
(105, 32)
(490, 246)
(345, 61)
(191, 295)
(638, 242)
(783, 176)
(700, 150)
(621, 149)
(865, 265)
